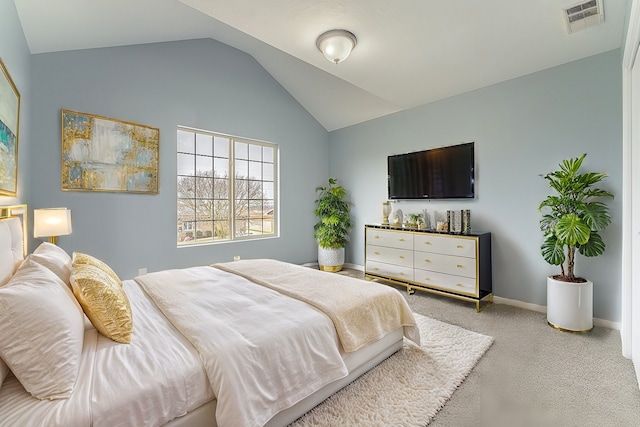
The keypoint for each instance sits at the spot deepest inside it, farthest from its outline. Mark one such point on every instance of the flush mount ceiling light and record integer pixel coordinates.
(336, 45)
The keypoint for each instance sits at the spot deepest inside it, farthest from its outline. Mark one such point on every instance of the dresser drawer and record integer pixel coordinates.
(392, 239)
(447, 282)
(389, 270)
(403, 257)
(458, 246)
(448, 264)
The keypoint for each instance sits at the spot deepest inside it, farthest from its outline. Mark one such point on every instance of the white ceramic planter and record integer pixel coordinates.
(570, 305)
(330, 259)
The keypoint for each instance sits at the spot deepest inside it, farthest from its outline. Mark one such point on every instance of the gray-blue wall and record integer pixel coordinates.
(522, 128)
(15, 54)
(199, 83)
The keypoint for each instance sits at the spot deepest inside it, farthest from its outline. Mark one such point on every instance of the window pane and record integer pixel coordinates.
(204, 144)
(255, 170)
(185, 141)
(204, 210)
(221, 167)
(221, 189)
(255, 152)
(204, 188)
(267, 171)
(242, 168)
(241, 150)
(267, 190)
(222, 230)
(186, 164)
(241, 189)
(186, 187)
(204, 166)
(221, 146)
(267, 154)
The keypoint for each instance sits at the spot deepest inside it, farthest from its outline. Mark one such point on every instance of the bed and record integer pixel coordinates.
(253, 342)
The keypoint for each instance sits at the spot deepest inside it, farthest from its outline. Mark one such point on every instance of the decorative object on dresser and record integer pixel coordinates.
(386, 210)
(332, 230)
(571, 221)
(9, 126)
(51, 223)
(452, 265)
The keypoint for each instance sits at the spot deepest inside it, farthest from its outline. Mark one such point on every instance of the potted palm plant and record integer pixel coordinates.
(332, 229)
(571, 222)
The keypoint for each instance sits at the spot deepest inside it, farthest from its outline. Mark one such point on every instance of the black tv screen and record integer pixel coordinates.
(439, 173)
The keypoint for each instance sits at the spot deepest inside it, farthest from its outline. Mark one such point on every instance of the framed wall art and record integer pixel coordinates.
(103, 154)
(9, 124)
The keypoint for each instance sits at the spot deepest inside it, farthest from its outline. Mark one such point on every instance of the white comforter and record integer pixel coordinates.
(244, 333)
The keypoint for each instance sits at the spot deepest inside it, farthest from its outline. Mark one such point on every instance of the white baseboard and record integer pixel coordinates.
(543, 309)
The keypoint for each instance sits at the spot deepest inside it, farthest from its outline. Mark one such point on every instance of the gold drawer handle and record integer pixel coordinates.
(376, 237)
(427, 243)
(460, 247)
(427, 260)
(375, 269)
(401, 239)
(460, 285)
(460, 266)
(376, 253)
(401, 274)
(427, 279)
(401, 256)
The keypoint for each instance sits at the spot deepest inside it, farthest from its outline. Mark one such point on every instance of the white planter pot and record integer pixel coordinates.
(570, 305)
(330, 259)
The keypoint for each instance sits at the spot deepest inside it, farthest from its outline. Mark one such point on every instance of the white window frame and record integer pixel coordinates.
(234, 221)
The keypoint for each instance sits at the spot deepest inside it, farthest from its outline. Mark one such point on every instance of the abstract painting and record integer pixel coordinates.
(9, 123)
(103, 154)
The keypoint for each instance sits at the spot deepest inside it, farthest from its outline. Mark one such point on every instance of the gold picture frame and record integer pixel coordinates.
(9, 129)
(111, 155)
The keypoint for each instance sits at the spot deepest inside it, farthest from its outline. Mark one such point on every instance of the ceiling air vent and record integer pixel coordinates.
(584, 14)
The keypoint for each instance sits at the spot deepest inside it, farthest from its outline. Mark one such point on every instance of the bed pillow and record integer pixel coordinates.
(42, 331)
(55, 259)
(81, 259)
(104, 302)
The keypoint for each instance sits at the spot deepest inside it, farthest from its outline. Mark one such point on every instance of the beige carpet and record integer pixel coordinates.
(408, 388)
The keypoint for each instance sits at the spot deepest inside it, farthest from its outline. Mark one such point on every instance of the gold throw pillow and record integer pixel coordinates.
(104, 302)
(83, 259)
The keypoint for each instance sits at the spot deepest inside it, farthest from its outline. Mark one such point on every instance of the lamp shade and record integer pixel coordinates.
(51, 222)
(336, 45)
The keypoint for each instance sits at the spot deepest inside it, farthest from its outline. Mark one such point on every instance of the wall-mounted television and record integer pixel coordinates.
(439, 173)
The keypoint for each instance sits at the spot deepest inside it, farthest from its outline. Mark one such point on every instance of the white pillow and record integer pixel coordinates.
(42, 331)
(55, 259)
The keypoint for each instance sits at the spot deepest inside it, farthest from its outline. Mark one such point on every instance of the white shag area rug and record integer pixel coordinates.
(408, 388)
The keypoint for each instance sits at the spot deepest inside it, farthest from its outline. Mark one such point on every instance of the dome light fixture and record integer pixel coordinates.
(336, 45)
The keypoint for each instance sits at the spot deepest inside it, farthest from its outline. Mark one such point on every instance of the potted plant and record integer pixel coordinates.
(332, 230)
(571, 222)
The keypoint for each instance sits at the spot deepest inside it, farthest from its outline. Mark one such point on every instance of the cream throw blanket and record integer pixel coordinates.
(362, 312)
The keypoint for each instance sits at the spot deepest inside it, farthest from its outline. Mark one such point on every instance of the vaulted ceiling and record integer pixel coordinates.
(409, 52)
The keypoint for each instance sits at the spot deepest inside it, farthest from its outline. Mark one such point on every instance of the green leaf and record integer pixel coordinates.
(553, 251)
(572, 231)
(594, 247)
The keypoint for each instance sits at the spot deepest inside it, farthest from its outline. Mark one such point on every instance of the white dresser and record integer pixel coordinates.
(454, 265)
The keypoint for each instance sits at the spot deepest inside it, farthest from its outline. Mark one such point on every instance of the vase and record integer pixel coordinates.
(330, 259)
(570, 305)
(386, 210)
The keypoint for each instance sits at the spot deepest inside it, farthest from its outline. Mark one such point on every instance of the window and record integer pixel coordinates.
(226, 188)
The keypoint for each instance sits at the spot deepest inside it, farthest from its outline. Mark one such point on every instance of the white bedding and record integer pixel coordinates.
(244, 332)
(123, 385)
